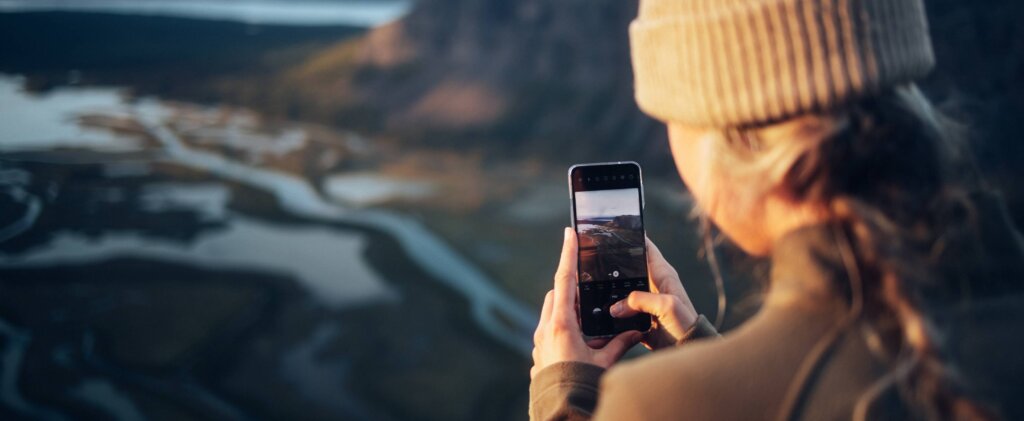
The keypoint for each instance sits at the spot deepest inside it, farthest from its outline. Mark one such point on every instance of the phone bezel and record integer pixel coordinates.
(572, 213)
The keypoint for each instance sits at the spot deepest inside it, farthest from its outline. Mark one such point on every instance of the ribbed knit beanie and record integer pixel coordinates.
(721, 63)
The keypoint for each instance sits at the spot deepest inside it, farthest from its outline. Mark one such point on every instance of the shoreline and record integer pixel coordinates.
(504, 318)
(472, 335)
(438, 259)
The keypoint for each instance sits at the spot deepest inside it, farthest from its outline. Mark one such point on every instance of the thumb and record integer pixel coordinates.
(619, 345)
(657, 305)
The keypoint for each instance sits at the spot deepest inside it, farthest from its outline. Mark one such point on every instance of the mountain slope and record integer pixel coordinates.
(529, 75)
(553, 78)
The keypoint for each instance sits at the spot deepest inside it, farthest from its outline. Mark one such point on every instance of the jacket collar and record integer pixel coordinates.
(808, 270)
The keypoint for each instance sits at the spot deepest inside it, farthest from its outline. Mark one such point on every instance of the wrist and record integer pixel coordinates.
(701, 328)
(689, 317)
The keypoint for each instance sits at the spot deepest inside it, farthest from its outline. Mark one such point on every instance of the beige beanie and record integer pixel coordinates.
(719, 63)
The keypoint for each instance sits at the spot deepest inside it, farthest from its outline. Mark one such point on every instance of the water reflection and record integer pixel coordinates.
(163, 258)
(368, 189)
(328, 263)
(49, 120)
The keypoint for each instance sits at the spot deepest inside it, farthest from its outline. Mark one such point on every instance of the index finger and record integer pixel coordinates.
(565, 277)
(663, 275)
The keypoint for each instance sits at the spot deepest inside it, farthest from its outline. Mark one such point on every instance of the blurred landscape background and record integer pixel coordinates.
(348, 209)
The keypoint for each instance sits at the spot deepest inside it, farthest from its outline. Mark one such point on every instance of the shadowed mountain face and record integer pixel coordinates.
(530, 71)
(555, 76)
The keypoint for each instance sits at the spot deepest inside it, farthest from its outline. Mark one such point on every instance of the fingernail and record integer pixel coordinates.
(616, 309)
(567, 231)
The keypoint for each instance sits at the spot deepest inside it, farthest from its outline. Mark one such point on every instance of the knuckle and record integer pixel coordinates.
(672, 272)
(674, 303)
(634, 298)
(668, 301)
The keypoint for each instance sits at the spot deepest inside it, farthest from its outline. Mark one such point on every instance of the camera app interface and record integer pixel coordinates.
(612, 252)
(611, 235)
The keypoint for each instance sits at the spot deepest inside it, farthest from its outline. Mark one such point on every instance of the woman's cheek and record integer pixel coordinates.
(693, 160)
(681, 144)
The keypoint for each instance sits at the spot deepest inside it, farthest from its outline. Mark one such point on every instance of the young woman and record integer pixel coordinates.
(799, 132)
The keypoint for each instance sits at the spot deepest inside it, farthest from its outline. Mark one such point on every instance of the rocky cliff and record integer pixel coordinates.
(534, 73)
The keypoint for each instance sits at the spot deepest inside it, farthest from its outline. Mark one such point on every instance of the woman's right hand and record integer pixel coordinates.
(667, 302)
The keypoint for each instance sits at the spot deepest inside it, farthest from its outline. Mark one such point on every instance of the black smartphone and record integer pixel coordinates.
(607, 214)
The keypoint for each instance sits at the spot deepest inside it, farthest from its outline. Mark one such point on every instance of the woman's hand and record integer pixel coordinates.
(667, 303)
(558, 337)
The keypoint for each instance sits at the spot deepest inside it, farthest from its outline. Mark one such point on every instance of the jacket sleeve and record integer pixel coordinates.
(568, 390)
(565, 391)
(701, 328)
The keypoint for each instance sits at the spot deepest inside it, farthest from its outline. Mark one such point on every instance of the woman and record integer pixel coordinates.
(799, 132)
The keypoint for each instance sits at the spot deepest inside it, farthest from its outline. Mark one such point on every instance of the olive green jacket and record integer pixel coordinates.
(790, 361)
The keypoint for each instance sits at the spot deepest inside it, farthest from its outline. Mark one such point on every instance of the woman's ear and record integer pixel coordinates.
(809, 139)
(801, 180)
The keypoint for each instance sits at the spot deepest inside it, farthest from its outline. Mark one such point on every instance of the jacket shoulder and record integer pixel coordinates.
(745, 372)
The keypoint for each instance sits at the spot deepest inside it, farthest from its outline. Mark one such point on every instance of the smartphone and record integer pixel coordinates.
(607, 214)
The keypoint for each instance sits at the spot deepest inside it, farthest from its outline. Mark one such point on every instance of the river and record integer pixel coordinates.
(328, 261)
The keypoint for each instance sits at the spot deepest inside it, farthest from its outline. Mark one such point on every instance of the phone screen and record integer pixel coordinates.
(608, 217)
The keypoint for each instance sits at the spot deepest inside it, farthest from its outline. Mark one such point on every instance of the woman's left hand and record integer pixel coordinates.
(558, 337)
